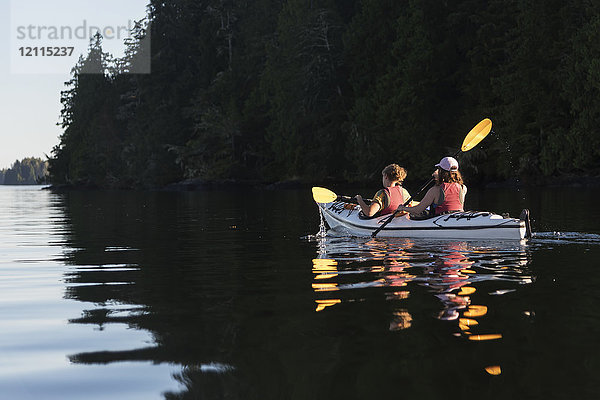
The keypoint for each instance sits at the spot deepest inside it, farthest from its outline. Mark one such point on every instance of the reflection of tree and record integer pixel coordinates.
(224, 296)
(202, 385)
(136, 258)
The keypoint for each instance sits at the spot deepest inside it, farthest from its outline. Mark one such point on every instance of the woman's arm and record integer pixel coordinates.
(428, 200)
(368, 210)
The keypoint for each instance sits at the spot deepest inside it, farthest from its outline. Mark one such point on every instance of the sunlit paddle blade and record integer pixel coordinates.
(492, 336)
(321, 304)
(493, 370)
(475, 311)
(468, 322)
(322, 195)
(477, 134)
(466, 290)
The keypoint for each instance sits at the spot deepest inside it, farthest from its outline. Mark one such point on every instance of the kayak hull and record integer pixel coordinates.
(474, 225)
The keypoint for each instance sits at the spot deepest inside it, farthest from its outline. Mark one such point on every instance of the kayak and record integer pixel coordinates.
(475, 225)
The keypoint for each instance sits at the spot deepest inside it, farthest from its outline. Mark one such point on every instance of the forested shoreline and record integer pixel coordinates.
(28, 171)
(267, 91)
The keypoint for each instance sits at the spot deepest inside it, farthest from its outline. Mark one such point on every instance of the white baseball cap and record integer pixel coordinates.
(448, 164)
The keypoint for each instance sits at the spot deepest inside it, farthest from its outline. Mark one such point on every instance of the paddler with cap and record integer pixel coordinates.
(446, 196)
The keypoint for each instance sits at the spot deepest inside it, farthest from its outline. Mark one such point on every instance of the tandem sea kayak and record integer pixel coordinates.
(476, 225)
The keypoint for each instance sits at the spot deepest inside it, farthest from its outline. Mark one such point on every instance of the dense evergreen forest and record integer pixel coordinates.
(268, 90)
(28, 171)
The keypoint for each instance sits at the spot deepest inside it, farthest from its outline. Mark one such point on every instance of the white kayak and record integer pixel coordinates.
(475, 225)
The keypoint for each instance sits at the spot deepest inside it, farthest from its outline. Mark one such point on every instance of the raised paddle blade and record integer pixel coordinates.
(322, 195)
(477, 134)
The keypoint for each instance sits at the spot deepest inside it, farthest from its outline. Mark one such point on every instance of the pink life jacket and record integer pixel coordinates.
(451, 198)
(395, 195)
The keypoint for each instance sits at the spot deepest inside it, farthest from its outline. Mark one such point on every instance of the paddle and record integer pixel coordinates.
(476, 135)
(322, 195)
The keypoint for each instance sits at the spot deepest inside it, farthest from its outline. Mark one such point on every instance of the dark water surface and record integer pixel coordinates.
(232, 295)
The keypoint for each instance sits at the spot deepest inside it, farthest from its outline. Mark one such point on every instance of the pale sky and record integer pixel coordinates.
(30, 86)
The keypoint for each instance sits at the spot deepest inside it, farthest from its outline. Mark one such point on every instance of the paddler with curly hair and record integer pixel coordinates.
(388, 199)
(446, 196)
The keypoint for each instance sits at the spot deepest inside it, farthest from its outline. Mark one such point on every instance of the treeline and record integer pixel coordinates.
(28, 171)
(336, 89)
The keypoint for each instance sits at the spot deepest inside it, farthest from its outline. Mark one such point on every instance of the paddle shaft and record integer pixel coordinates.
(348, 199)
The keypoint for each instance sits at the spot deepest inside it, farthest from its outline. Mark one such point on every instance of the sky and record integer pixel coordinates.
(30, 86)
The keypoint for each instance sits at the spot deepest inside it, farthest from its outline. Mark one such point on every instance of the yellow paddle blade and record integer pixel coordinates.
(477, 134)
(322, 195)
(493, 370)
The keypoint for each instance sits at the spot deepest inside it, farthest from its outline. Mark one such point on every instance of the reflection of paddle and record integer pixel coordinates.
(322, 195)
(476, 135)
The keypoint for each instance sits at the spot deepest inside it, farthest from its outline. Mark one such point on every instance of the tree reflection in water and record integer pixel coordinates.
(151, 261)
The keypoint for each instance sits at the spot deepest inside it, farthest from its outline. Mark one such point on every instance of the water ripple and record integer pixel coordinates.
(565, 237)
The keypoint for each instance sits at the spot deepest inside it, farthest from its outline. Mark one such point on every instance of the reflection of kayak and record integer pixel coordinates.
(346, 217)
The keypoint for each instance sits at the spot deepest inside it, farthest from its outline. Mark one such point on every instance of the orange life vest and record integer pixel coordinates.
(396, 198)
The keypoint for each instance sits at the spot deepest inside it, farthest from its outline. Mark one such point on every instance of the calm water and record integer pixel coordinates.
(232, 295)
